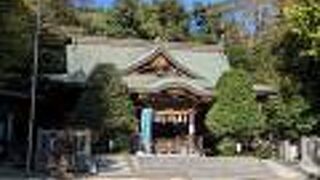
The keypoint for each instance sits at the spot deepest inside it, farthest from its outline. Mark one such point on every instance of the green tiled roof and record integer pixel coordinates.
(207, 64)
(153, 83)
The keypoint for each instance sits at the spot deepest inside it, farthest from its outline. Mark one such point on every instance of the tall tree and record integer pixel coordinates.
(235, 113)
(18, 20)
(125, 16)
(150, 27)
(283, 55)
(298, 49)
(288, 118)
(208, 20)
(61, 12)
(15, 36)
(173, 19)
(304, 24)
(105, 105)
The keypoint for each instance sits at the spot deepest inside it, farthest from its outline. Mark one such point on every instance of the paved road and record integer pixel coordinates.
(238, 168)
(197, 168)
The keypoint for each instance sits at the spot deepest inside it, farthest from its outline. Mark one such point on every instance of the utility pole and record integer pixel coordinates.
(33, 88)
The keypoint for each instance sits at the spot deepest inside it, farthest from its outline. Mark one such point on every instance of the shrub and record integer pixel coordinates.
(227, 147)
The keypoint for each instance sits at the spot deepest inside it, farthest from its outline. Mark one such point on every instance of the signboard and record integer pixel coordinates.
(146, 128)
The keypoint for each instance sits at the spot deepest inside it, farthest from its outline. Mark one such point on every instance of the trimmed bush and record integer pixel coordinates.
(227, 147)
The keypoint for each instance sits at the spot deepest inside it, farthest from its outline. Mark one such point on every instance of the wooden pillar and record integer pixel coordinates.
(191, 126)
(180, 119)
(191, 131)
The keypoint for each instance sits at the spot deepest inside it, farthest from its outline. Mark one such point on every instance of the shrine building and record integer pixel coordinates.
(175, 82)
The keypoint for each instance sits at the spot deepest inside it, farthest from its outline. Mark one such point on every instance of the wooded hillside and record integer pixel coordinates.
(277, 42)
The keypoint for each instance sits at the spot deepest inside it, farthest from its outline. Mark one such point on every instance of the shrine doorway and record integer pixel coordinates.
(173, 132)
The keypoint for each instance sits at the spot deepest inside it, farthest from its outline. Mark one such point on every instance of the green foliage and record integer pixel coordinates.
(288, 118)
(134, 18)
(264, 150)
(173, 19)
(59, 12)
(105, 105)
(285, 54)
(235, 112)
(304, 24)
(208, 22)
(166, 19)
(239, 56)
(264, 65)
(125, 15)
(150, 27)
(256, 57)
(99, 23)
(227, 147)
(15, 35)
(121, 143)
(299, 50)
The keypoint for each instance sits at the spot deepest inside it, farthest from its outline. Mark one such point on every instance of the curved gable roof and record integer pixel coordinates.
(158, 50)
(207, 66)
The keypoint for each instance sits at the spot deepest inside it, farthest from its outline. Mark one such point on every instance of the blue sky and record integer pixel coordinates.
(187, 3)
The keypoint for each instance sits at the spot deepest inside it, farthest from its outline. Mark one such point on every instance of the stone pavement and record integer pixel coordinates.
(125, 167)
(115, 166)
(195, 168)
(204, 168)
